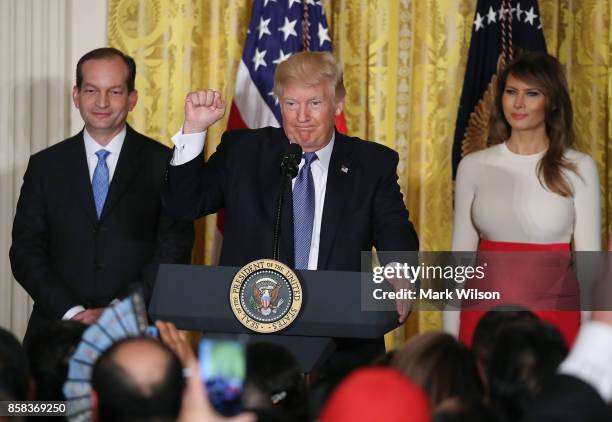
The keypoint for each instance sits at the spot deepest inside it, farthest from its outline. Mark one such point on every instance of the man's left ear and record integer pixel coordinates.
(339, 106)
(132, 99)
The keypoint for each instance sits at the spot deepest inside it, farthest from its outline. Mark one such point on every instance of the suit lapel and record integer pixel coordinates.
(339, 180)
(78, 176)
(127, 166)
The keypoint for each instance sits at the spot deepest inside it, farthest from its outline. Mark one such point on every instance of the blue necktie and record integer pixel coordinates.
(100, 181)
(303, 212)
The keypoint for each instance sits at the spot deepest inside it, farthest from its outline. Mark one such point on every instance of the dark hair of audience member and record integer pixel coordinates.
(121, 399)
(323, 386)
(350, 355)
(49, 352)
(525, 355)
(5, 397)
(441, 365)
(464, 409)
(274, 380)
(14, 368)
(491, 322)
(486, 329)
(384, 360)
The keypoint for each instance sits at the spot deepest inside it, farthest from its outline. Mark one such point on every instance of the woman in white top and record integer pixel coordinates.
(529, 191)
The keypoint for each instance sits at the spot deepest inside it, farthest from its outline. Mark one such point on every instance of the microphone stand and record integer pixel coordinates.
(289, 169)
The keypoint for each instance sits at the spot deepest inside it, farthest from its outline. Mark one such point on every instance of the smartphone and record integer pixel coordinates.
(223, 369)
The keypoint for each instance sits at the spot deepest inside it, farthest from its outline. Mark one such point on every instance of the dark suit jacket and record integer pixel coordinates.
(63, 256)
(363, 203)
(568, 399)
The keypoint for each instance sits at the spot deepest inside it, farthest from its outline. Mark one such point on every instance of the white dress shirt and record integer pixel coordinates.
(114, 147)
(189, 146)
(91, 147)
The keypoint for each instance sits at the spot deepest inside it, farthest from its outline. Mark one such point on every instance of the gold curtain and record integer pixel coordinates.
(180, 46)
(404, 62)
(580, 35)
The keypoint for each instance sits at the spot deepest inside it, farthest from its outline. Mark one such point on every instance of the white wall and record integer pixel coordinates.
(40, 43)
(87, 31)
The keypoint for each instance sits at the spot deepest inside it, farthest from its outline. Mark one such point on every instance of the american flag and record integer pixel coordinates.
(275, 32)
(523, 30)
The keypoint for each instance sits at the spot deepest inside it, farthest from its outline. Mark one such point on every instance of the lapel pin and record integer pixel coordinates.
(344, 169)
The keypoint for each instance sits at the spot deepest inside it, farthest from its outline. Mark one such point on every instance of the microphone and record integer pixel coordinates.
(291, 160)
(289, 169)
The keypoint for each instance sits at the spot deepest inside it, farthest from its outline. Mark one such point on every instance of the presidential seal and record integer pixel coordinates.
(266, 296)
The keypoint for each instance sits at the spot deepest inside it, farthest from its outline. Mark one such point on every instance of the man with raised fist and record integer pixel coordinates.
(344, 200)
(351, 189)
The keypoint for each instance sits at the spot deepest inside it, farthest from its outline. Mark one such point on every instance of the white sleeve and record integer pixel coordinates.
(187, 147)
(71, 313)
(589, 359)
(587, 223)
(465, 235)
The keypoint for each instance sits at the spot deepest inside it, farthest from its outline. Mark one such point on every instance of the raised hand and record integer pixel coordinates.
(176, 340)
(195, 405)
(202, 109)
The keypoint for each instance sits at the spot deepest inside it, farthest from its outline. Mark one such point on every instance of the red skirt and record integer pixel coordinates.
(535, 276)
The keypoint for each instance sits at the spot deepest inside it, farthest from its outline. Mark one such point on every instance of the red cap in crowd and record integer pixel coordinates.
(377, 394)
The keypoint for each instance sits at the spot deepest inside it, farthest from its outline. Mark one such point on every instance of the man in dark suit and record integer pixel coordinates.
(357, 201)
(345, 198)
(89, 224)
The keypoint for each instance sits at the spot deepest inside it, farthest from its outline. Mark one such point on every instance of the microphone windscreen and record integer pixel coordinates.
(291, 160)
(294, 149)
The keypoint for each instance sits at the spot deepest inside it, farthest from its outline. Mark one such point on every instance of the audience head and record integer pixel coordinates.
(384, 360)
(441, 365)
(462, 409)
(274, 380)
(137, 379)
(14, 368)
(484, 337)
(525, 355)
(49, 352)
(377, 394)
